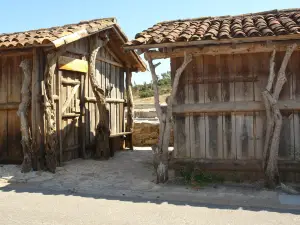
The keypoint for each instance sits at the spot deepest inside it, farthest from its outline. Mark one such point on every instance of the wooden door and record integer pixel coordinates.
(70, 114)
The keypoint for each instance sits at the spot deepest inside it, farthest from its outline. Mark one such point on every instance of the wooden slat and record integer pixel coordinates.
(59, 119)
(66, 81)
(9, 106)
(120, 134)
(220, 50)
(186, 73)
(72, 64)
(234, 107)
(208, 79)
(102, 59)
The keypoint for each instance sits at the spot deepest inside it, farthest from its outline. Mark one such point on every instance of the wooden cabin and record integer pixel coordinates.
(219, 112)
(67, 94)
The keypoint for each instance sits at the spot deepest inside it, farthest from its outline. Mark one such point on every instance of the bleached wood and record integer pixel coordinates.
(23, 114)
(160, 160)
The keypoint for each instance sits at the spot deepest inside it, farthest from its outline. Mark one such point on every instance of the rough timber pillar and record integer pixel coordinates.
(130, 108)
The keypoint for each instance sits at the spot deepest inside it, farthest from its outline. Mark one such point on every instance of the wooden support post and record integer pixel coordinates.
(59, 120)
(130, 107)
(274, 118)
(102, 131)
(82, 117)
(23, 114)
(160, 151)
(50, 114)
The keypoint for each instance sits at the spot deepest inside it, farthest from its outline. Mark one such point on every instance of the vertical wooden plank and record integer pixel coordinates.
(220, 154)
(87, 110)
(175, 123)
(59, 119)
(3, 135)
(286, 145)
(212, 94)
(15, 79)
(193, 97)
(14, 136)
(82, 115)
(3, 80)
(199, 120)
(293, 69)
(239, 118)
(186, 74)
(92, 116)
(296, 81)
(108, 83)
(179, 126)
(3, 114)
(232, 73)
(227, 89)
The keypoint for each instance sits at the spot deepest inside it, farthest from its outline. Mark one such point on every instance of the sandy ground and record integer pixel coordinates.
(130, 174)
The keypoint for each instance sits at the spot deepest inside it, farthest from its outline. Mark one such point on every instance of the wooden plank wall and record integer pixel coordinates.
(109, 73)
(112, 77)
(238, 135)
(11, 76)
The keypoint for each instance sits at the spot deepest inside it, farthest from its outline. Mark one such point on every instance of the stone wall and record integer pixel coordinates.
(145, 133)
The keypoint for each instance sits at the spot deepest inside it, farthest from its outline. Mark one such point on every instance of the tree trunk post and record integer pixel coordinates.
(102, 130)
(23, 114)
(130, 106)
(160, 151)
(274, 118)
(51, 144)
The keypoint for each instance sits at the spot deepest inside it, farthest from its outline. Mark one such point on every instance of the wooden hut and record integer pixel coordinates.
(50, 82)
(222, 120)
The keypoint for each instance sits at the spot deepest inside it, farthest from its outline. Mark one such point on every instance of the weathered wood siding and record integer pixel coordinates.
(11, 77)
(110, 74)
(239, 79)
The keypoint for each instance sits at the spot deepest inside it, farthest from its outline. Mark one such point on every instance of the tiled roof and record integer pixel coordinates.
(271, 23)
(58, 36)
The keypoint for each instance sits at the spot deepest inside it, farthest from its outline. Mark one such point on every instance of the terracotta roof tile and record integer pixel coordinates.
(50, 35)
(271, 23)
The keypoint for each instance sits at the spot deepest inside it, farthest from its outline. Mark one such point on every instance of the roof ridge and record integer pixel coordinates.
(114, 20)
(274, 11)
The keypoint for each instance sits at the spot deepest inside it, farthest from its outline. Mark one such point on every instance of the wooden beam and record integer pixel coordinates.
(113, 54)
(90, 99)
(231, 107)
(72, 64)
(69, 81)
(108, 100)
(130, 107)
(220, 50)
(9, 106)
(114, 100)
(55, 97)
(70, 115)
(102, 59)
(215, 42)
(120, 134)
(218, 79)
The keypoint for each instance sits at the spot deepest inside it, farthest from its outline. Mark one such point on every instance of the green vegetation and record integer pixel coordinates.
(201, 178)
(146, 90)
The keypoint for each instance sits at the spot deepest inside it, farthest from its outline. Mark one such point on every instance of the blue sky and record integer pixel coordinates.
(132, 15)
